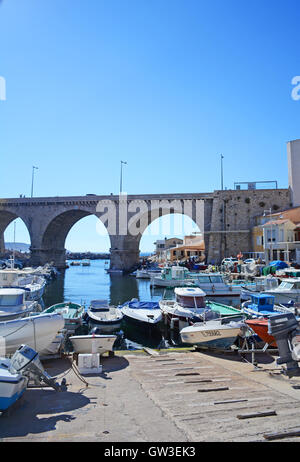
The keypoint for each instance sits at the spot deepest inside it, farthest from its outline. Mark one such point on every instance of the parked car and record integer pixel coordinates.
(229, 261)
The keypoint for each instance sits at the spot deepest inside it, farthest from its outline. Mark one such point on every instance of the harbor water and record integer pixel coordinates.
(82, 284)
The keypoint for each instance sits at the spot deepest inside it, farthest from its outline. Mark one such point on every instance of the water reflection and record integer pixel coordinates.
(122, 289)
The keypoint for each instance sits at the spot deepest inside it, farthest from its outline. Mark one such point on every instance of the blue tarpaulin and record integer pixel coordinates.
(279, 264)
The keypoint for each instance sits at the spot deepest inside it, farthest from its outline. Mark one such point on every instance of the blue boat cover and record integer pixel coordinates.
(279, 264)
(142, 305)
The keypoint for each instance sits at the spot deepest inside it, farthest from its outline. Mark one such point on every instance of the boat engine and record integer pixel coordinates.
(26, 361)
(285, 329)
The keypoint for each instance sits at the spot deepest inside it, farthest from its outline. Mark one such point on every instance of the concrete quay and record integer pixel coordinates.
(170, 396)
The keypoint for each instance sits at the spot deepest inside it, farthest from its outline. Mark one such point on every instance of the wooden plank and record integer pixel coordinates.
(257, 414)
(204, 390)
(281, 435)
(199, 381)
(230, 401)
(187, 373)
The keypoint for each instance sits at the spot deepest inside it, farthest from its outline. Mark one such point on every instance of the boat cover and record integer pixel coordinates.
(279, 264)
(142, 305)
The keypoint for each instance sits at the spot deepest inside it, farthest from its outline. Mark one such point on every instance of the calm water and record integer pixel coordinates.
(81, 284)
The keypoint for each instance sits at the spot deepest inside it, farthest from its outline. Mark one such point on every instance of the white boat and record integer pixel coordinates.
(288, 290)
(142, 313)
(260, 284)
(12, 384)
(85, 263)
(38, 332)
(33, 285)
(214, 285)
(72, 313)
(215, 333)
(93, 343)
(100, 314)
(189, 304)
(75, 263)
(13, 304)
(172, 276)
(147, 273)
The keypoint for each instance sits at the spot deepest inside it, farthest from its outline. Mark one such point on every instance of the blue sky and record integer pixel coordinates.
(166, 85)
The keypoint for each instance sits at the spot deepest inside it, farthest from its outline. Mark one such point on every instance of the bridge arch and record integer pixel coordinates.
(52, 243)
(7, 218)
(139, 215)
(173, 228)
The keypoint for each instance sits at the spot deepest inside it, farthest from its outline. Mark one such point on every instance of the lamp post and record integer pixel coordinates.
(271, 245)
(33, 168)
(222, 157)
(121, 176)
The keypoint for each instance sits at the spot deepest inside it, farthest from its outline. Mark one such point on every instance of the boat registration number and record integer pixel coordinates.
(211, 333)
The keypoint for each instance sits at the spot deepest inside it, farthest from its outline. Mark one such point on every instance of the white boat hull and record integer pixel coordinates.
(93, 343)
(20, 312)
(145, 317)
(38, 332)
(158, 282)
(212, 333)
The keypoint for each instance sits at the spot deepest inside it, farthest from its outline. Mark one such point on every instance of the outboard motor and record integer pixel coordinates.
(26, 361)
(285, 329)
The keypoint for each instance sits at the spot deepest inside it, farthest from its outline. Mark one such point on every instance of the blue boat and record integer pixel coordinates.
(12, 385)
(259, 306)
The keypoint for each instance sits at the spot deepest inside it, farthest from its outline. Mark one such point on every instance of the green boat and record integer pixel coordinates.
(71, 312)
(224, 310)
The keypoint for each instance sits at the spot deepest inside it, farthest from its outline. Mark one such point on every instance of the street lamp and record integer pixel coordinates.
(271, 245)
(121, 176)
(33, 168)
(222, 157)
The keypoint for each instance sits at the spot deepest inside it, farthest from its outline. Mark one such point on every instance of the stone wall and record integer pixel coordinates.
(233, 217)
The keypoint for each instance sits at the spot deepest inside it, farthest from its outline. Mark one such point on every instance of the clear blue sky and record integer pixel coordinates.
(166, 85)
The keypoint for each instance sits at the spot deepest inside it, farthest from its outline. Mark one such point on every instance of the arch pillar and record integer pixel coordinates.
(124, 253)
(54, 256)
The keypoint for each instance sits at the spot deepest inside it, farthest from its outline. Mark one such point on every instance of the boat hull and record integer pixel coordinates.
(10, 393)
(157, 282)
(143, 323)
(12, 386)
(210, 336)
(260, 327)
(38, 332)
(84, 344)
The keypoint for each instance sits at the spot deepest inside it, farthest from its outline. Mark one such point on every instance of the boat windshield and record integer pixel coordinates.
(191, 302)
(11, 300)
(286, 285)
(216, 279)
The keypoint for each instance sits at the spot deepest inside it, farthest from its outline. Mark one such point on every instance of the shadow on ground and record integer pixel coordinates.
(24, 417)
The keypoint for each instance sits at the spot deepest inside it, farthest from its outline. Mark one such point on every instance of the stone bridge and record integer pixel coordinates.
(224, 217)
